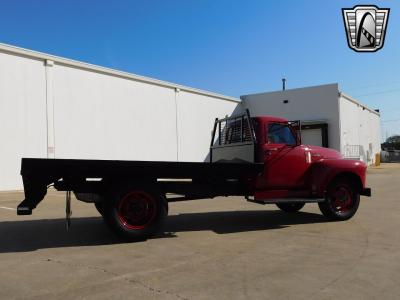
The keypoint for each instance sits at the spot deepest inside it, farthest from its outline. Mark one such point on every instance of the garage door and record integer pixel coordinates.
(311, 137)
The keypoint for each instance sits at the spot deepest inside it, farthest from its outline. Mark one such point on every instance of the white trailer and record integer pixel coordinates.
(330, 118)
(52, 107)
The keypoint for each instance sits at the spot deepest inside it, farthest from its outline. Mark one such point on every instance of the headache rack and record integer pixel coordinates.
(233, 139)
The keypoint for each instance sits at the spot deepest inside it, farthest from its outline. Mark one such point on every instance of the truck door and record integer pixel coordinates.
(286, 161)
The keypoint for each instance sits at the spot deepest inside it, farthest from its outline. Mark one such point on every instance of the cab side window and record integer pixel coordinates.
(280, 134)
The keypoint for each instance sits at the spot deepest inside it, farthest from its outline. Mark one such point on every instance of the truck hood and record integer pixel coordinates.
(324, 153)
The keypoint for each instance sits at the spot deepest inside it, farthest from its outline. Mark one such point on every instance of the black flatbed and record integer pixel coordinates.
(231, 171)
(85, 175)
(100, 168)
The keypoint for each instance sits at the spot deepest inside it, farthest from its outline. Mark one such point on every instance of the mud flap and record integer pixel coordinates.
(35, 190)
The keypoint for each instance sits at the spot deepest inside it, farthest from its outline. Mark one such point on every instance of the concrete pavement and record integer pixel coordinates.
(224, 248)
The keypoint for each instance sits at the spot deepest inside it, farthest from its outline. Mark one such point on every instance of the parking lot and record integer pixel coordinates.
(223, 248)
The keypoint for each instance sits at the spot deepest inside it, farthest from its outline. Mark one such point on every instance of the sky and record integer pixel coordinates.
(229, 47)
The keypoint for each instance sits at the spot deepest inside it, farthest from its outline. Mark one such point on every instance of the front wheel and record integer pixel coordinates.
(135, 213)
(291, 207)
(341, 201)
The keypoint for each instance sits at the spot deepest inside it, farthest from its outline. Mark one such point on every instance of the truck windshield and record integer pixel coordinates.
(280, 134)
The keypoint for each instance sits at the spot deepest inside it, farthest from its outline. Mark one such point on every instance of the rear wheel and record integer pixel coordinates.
(135, 213)
(341, 201)
(291, 207)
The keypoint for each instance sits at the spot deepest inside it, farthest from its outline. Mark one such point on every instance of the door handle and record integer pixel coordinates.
(270, 151)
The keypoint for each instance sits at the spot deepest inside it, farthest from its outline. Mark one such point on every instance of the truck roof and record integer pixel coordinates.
(269, 119)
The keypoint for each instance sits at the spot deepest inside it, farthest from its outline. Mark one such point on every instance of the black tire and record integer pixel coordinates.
(341, 201)
(291, 207)
(135, 213)
(99, 207)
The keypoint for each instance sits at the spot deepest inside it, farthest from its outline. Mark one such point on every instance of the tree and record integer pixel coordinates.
(392, 143)
(394, 139)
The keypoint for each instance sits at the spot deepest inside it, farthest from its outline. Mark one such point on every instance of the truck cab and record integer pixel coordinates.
(291, 166)
(293, 174)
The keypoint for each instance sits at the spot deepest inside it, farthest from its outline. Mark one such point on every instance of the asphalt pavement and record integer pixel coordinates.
(224, 248)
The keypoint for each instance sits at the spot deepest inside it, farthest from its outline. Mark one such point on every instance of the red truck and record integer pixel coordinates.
(260, 158)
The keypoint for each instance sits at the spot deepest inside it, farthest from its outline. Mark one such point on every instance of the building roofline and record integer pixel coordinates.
(107, 71)
(358, 103)
(289, 90)
(317, 86)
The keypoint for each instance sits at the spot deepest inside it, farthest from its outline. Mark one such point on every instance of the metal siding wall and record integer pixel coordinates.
(360, 127)
(373, 132)
(350, 123)
(22, 116)
(196, 116)
(105, 117)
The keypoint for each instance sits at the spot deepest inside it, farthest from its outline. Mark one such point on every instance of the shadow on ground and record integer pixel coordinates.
(23, 236)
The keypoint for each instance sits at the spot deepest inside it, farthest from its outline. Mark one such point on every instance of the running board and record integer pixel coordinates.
(284, 200)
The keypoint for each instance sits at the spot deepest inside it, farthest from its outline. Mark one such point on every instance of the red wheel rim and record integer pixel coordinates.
(341, 199)
(136, 210)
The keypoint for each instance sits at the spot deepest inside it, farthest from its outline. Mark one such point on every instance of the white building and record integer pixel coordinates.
(329, 118)
(51, 107)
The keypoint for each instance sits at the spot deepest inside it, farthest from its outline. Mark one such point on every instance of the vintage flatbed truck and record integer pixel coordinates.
(260, 158)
